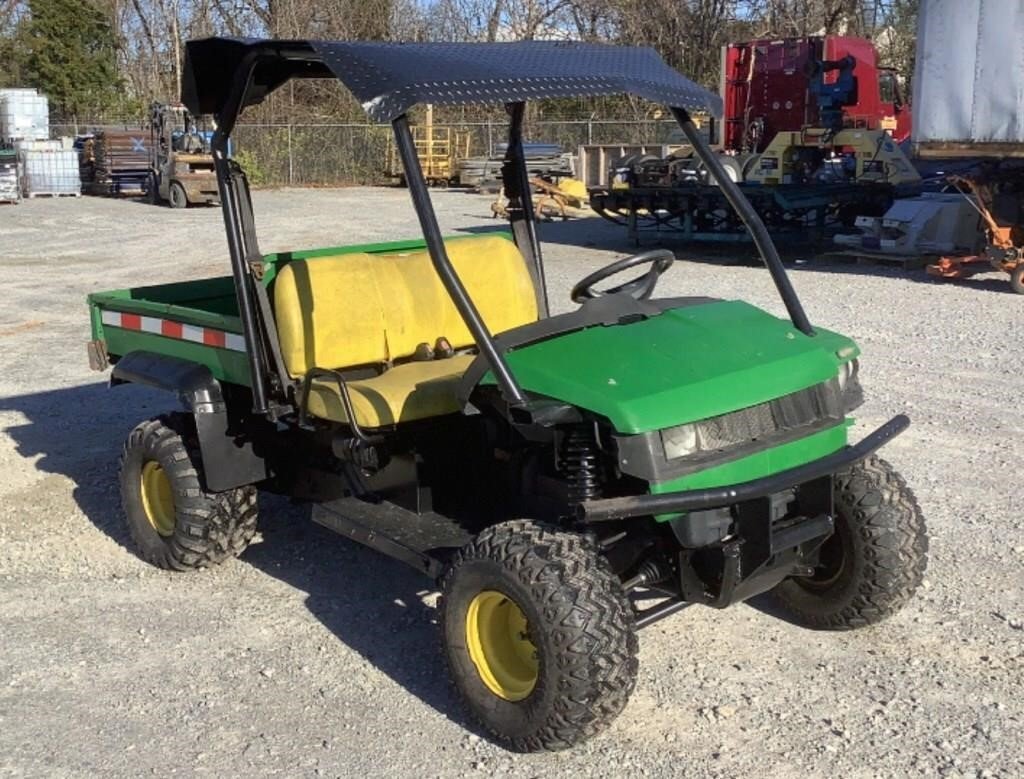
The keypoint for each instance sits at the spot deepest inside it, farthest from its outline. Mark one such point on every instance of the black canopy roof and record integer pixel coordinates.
(389, 78)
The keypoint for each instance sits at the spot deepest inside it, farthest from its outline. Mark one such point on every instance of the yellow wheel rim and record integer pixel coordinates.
(498, 640)
(157, 498)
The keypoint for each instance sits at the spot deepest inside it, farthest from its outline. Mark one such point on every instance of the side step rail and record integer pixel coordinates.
(350, 528)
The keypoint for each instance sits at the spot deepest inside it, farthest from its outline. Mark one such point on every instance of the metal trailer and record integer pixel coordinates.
(698, 211)
(803, 185)
(969, 105)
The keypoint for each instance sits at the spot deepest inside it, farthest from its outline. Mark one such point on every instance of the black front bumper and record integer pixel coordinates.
(695, 500)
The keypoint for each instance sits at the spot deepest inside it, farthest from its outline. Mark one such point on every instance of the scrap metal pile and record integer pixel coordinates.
(816, 193)
(807, 132)
(998, 196)
(116, 162)
(545, 160)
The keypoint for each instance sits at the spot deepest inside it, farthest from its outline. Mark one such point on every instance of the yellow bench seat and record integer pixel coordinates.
(414, 390)
(361, 310)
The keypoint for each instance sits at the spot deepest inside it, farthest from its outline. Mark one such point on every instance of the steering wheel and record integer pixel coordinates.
(641, 288)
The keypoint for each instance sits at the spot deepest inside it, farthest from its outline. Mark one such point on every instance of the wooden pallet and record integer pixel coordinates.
(32, 195)
(855, 257)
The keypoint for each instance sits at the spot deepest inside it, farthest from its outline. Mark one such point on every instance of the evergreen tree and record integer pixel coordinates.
(71, 56)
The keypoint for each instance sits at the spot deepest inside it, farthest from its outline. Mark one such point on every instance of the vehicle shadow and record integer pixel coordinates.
(78, 432)
(373, 605)
(376, 606)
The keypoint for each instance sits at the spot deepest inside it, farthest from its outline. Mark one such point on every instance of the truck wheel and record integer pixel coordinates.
(872, 564)
(1017, 279)
(174, 521)
(539, 635)
(176, 195)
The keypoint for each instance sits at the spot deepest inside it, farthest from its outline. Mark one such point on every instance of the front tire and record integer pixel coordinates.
(176, 195)
(539, 635)
(873, 563)
(153, 190)
(175, 522)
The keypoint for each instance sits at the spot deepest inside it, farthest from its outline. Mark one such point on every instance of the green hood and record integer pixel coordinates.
(687, 364)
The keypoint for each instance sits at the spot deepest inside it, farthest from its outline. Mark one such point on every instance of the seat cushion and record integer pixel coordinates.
(358, 309)
(407, 392)
(420, 310)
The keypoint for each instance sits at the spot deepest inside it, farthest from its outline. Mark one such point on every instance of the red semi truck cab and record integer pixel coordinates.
(767, 88)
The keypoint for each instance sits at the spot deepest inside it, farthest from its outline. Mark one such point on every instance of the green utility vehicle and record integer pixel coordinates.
(552, 473)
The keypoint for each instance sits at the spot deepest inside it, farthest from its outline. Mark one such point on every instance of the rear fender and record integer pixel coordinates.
(228, 460)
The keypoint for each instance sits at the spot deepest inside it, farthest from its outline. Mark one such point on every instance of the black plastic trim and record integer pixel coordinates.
(643, 454)
(193, 383)
(690, 500)
(228, 461)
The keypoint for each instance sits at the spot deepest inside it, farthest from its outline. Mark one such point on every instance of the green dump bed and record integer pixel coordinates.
(192, 320)
(196, 320)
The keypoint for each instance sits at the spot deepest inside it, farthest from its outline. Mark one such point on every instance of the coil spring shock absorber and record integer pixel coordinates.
(580, 462)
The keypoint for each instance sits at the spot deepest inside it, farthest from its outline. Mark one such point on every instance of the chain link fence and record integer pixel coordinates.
(361, 153)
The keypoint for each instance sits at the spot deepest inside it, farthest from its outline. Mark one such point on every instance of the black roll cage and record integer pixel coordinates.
(259, 331)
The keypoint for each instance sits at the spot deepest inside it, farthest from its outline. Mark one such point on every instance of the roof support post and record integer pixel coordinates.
(439, 257)
(230, 208)
(516, 180)
(762, 240)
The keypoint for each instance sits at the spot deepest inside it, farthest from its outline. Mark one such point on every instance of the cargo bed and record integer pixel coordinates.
(196, 320)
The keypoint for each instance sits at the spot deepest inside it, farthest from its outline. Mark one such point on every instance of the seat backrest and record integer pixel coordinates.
(358, 309)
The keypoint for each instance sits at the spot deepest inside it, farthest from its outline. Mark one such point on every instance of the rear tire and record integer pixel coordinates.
(570, 612)
(875, 560)
(175, 522)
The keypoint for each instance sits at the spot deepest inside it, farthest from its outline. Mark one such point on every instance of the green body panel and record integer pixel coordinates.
(759, 464)
(687, 364)
(225, 364)
(201, 303)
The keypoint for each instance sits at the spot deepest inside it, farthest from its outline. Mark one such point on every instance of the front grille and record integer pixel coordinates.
(812, 407)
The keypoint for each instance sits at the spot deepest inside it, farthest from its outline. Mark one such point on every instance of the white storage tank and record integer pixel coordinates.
(969, 79)
(48, 168)
(24, 115)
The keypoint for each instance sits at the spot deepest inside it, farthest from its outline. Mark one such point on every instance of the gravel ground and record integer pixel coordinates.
(311, 656)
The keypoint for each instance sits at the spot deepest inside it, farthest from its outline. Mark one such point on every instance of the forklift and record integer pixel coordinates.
(181, 170)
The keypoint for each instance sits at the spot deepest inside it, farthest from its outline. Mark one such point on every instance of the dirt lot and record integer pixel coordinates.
(310, 656)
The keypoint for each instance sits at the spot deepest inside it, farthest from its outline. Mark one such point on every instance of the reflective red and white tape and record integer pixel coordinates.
(165, 327)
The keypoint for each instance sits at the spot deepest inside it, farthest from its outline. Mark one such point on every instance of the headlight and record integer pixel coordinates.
(679, 441)
(849, 385)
